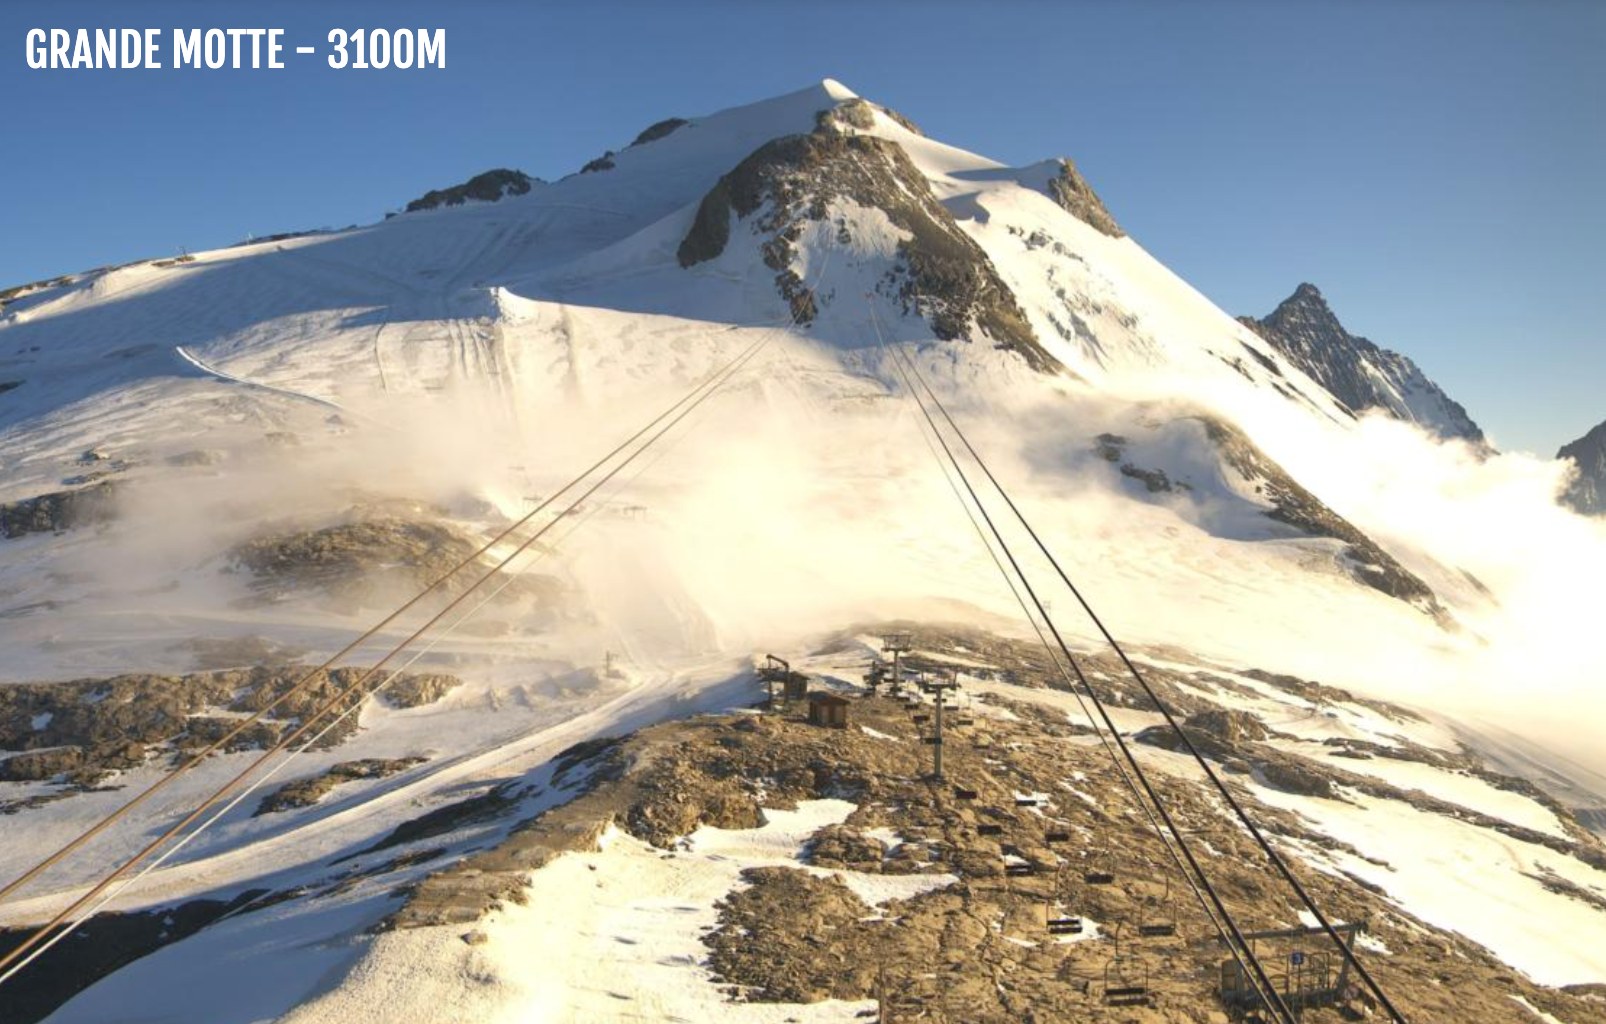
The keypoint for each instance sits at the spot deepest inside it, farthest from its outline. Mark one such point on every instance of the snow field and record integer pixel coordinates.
(611, 935)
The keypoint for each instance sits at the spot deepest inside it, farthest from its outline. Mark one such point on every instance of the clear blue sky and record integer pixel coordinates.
(1435, 167)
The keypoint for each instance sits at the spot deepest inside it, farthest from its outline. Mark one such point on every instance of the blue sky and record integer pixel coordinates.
(1435, 167)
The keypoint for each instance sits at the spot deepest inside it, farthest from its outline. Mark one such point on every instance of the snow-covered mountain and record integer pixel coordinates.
(1587, 492)
(217, 467)
(1355, 370)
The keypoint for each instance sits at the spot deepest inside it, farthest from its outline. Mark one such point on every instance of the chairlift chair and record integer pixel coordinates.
(1065, 925)
(1126, 981)
(1098, 871)
(1161, 922)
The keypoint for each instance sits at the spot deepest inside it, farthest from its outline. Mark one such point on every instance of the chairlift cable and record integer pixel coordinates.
(702, 392)
(1265, 988)
(1072, 686)
(1272, 856)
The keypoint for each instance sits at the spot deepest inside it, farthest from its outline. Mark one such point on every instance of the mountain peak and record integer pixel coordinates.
(836, 90)
(1072, 192)
(1359, 373)
(1307, 306)
(1587, 492)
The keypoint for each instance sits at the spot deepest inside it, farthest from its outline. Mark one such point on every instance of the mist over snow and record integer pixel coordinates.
(470, 358)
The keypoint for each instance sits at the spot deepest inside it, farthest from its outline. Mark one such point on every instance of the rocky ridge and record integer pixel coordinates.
(487, 187)
(1358, 372)
(77, 735)
(793, 181)
(1587, 491)
(1361, 558)
(1074, 195)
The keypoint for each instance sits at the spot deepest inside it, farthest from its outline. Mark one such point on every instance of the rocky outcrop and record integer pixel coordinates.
(484, 188)
(860, 113)
(1292, 504)
(1292, 776)
(1229, 726)
(59, 511)
(306, 792)
(365, 562)
(768, 941)
(659, 130)
(941, 273)
(1074, 195)
(15, 292)
(1587, 491)
(82, 731)
(1356, 371)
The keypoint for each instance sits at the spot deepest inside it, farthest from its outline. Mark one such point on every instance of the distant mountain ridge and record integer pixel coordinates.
(1587, 492)
(1359, 373)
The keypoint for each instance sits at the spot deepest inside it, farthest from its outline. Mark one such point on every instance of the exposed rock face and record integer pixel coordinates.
(1587, 493)
(1293, 777)
(860, 113)
(769, 938)
(41, 765)
(1228, 726)
(1294, 505)
(1359, 374)
(485, 188)
(1363, 559)
(942, 274)
(1076, 196)
(838, 847)
(658, 130)
(306, 792)
(9, 295)
(359, 563)
(338, 557)
(85, 729)
(58, 511)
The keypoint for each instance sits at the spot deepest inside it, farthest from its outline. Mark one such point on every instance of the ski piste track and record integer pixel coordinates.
(644, 704)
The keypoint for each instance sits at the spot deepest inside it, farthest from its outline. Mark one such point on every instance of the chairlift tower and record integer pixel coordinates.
(774, 670)
(897, 645)
(876, 676)
(939, 688)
